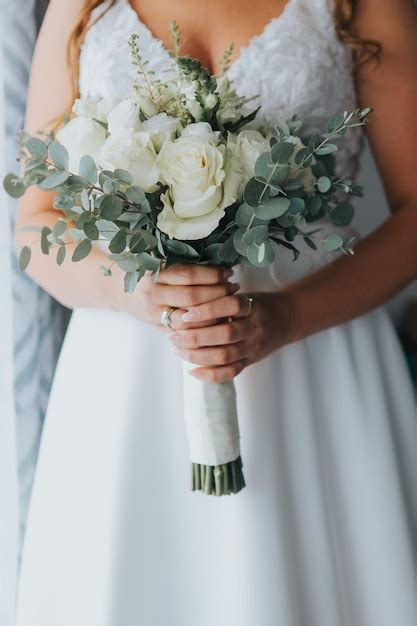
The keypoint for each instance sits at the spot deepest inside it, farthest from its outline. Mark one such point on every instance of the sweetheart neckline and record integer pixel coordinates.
(281, 17)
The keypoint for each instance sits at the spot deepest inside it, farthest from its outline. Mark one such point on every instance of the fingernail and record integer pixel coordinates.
(227, 273)
(196, 373)
(190, 316)
(175, 338)
(235, 287)
(175, 350)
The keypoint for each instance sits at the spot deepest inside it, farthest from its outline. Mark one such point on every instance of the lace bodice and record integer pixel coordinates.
(296, 65)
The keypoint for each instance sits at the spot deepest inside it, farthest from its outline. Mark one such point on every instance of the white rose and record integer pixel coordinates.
(132, 152)
(188, 91)
(202, 130)
(124, 115)
(247, 147)
(161, 127)
(81, 136)
(147, 106)
(304, 175)
(96, 107)
(202, 182)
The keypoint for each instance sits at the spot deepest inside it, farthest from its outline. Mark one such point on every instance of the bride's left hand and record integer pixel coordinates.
(223, 350)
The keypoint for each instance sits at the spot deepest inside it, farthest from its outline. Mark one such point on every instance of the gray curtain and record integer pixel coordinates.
(38, 321)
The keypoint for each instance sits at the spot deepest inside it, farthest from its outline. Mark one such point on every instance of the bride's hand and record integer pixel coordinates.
(223, 350)
(180, 287)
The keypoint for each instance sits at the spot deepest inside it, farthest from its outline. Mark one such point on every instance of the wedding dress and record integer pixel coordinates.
(325, 532)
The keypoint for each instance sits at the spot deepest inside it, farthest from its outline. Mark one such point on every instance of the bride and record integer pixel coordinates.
(325, 532)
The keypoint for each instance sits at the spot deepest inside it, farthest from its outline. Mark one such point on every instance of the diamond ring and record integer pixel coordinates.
(166, 317)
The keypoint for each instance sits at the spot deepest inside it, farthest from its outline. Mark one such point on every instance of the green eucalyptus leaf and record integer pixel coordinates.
(293, 185)
(127, 262)
(14, 186)
(244, 215)
(107, 229)
(253, 192)
(59, 228)
(342, 214)
(142, 240)
(282, 151)
(106, 270)
(324, 184)
(304, 156)
(88, 169)
(264, 165)
(64, 202)
(228, 253)
(85, 200)
(24, 258)
(333, 242)
(54, 180)
(335, 123)
(271, 208)
(310, 242)
(238, 241)
(130, 281)
(180, 248)
(45, 244)
(91, 230)
(148, 262)
(314, 205)
(297, 206)
(85, 217)
(111, 208)
(213, 252)
(59, 155)
(60, 255)
(328, 148)
(124, 176)
(260, 255)
(37, 148)
(136, 195)
(257, 235)
(82, 250)
(118, 243)
(290, 233)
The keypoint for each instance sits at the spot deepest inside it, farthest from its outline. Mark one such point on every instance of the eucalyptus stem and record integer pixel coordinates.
(218, 480)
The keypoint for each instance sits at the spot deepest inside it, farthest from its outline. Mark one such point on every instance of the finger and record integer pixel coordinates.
(214, 335)
(184, 297)
(178, 325)
(219, 355)
(191, 274)
(231, 306)
(220, 374)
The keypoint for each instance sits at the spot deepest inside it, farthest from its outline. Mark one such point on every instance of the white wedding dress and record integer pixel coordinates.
(325, 532)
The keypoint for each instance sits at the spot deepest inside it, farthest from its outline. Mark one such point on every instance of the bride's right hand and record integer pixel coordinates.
(179, 287)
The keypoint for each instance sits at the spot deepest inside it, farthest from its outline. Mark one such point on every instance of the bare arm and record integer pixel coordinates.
(84, 285)
(49, 97)
(387, 260)
(383, 263)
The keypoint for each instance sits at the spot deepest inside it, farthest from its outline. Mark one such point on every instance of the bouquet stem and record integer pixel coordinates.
(218, 480)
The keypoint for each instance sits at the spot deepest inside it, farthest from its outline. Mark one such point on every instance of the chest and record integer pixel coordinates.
(207, 30)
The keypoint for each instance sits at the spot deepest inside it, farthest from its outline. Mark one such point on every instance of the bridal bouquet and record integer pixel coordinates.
(180, 171)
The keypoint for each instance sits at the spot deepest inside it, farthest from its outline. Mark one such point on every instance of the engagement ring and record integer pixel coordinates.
(166, 317)
(250, 303)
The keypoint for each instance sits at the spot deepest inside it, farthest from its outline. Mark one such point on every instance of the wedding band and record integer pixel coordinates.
(166, 317)
(250, 303)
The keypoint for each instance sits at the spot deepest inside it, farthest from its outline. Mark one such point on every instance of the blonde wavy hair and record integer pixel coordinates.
(344, 16)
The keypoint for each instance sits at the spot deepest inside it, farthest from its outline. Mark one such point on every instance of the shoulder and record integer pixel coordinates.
(385, 20)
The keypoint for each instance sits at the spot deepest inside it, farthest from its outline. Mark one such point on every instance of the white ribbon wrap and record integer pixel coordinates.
(211, 423)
